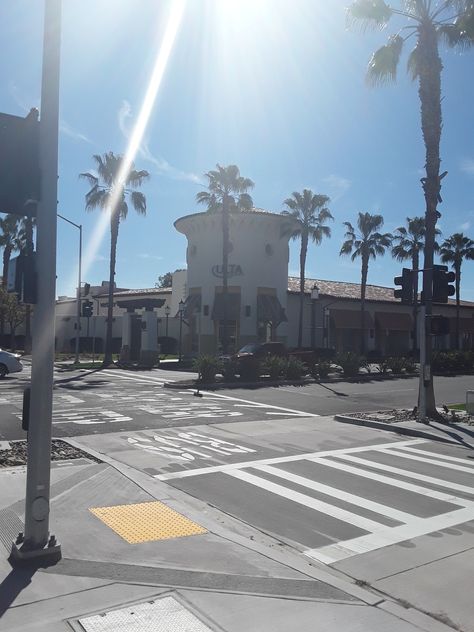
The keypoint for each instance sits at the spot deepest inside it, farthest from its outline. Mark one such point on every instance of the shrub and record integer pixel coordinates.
(274, 366)
(295, 369)
(350, 363)
(452, 362)
(229, 370)
(207, 367)
(321, 369)
(396, 364)
(383, 366)
(410, 365)
(249, 369)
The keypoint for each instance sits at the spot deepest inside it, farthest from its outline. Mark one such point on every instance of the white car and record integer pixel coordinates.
(9, 363)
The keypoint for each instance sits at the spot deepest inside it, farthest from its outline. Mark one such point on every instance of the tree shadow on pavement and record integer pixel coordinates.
(12, 586)
(456, 433)
(328, 388)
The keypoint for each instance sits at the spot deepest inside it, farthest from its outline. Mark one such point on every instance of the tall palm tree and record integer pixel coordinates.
(10, 241)
(366, 244)
(106, 188)
(408, 244)
(427, 22)
(227, 192)
(27, 226)
(311, 214)
(454, 250)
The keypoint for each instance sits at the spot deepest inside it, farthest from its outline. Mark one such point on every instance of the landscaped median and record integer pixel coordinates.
(406, 422)
(15, 454)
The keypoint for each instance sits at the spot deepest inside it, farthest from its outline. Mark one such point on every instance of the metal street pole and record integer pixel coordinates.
(78, 294)
(37, 544)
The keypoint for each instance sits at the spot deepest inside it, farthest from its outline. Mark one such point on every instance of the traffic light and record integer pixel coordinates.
(87, 308)
(407, 284)
(86, 289)
(19, 163)
(441, 284)
(439, 325)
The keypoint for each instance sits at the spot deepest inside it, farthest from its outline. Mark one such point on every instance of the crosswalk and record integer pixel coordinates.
(343, 502)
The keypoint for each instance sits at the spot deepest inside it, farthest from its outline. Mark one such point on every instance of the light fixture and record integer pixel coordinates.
(315, 293)
(167, 310)
(181, 306)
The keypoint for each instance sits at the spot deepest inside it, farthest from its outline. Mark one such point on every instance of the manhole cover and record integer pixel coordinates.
(163, 615)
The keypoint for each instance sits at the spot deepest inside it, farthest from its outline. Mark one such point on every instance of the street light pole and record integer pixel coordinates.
(78, 295)
(36, 543)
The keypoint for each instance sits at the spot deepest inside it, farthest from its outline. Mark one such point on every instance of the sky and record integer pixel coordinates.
(274, 86)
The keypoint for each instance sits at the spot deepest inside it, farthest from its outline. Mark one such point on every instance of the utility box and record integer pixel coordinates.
(470, 402)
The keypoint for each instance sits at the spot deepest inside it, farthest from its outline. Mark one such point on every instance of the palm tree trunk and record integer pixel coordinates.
(303, 252)
(415, 265)
(7, 251)
(29, 252)
(225, 278)
(458, 301)
(429, 91)
(363, 285)
(114, 228)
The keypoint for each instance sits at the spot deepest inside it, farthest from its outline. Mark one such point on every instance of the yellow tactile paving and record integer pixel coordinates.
(146, 522)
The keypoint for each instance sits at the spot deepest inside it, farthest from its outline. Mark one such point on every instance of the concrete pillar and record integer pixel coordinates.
(149, 349)
(126, 335)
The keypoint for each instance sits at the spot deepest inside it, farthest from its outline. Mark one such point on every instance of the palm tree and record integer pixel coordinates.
(9, 241)
(107, 190)
(408, 244)
(227, 192)
(366, 244)
(428, 22)
(454, 250)
(310, 212)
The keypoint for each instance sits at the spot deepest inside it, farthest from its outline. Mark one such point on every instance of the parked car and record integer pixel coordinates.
(261, 350)
(9, 363)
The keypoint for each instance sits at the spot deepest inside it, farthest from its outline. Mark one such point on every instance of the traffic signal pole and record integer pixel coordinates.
(79, 283)
(36, 545)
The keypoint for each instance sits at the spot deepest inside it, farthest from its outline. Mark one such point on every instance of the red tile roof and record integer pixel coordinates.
(343, 289)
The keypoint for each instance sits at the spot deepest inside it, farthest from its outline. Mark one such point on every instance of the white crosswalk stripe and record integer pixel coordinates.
(440, 510)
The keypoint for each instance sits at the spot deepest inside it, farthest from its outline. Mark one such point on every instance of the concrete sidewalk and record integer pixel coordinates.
(228, 577)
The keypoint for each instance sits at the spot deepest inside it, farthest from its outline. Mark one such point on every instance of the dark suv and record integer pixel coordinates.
(261, 350)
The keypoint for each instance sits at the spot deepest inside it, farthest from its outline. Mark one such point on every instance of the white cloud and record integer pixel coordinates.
(465, 226)
(467, 166)
(146, 255)
(162, 166)
(69, 131)
(100, 258)
(337, 185)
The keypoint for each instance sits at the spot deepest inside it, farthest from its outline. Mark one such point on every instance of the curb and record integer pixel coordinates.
(396, 428)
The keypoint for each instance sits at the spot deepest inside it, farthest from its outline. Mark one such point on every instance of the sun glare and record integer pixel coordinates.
(136, 137)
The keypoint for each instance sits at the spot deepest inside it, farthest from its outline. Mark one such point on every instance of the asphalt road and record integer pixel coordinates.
(89, 402)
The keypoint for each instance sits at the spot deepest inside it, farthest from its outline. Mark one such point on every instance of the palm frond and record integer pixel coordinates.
(413, 63)
(90, 177)
(382, 68)
(368, 13)
(136, 178)
(97, 198)
(138, 202)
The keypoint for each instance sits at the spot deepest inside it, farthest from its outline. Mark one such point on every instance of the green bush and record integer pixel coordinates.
(295, 369)
(274, 366)
(249, 369)
(321, 369)
(350, 363)
(410, 365)
(396, 364)
(229, 370)
(207, 367)
(453, 362)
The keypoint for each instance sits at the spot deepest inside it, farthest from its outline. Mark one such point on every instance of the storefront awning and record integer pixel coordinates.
(350, 319)
(269, 310)
(233, 307)
(393, 322)
(192, 305)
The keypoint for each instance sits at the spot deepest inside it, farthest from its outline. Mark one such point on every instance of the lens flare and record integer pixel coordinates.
(136, 137)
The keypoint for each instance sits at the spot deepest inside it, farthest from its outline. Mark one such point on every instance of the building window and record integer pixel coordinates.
(269, 249)
(247, 310)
